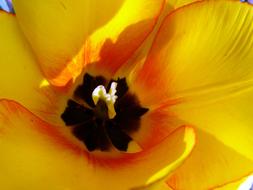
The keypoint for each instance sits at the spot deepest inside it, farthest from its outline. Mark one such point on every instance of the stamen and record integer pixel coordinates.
(99, 93)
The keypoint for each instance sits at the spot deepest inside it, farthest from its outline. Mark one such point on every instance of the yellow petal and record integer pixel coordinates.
(36, 155)
(201, 45)
(156, 125)
(210, 165)
(202, 57)
(140, 55)
(228, 119)
(161, 186)
(56, 31)
(112, 46)
(234, 185)
(175, 4)
(20, 77)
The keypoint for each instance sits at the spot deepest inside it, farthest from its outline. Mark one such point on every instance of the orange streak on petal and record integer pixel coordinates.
(71, 71)
(13, 109)
(111, 51)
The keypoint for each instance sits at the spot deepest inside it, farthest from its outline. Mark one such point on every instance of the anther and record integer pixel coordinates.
(99, 93)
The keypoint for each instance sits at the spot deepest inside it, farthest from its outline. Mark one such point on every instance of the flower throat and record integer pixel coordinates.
(103, 113)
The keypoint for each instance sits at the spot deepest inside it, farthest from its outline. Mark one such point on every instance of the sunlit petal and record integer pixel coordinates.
(206, 69)
(21, 79)
(34, 150)
(57, 30)
(189, 55)
(113, 45)
(211, 164)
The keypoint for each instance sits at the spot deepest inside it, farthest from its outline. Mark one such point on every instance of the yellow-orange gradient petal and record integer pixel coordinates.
(175, 4)
(20, 77)
(236, 185)
(156, 125)
(36, 155)
(156, 186)
(112, 45)
(140, 55)
(57, 30)
(210, 165)
(198, 46)
(202, 59)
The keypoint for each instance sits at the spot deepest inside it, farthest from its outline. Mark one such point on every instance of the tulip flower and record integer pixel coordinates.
(125, 94)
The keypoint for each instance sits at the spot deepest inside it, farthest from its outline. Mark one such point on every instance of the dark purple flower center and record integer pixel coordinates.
(90, 122)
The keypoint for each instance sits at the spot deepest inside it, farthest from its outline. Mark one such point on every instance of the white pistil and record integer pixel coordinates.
(110, 98)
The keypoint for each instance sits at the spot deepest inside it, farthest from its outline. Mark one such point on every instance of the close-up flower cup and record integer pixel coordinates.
(126, 94)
